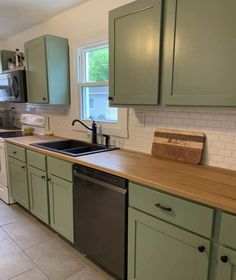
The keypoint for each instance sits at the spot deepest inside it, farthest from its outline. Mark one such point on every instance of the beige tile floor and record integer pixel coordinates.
(31, 251)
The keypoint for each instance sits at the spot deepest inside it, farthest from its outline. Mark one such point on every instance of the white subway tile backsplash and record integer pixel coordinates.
(231, 160)
(228, 124)
(217, 158)
(226, 138)
(221, 117)
(231, 146)
(201, 123)
(219, 126)
(224, 152)
(214, 124)
(195, 116)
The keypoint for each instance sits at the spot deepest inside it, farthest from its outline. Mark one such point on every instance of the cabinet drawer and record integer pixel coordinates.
(186, 214)
(228, 230)
(60, 168)
(16, 152)
(36, 160)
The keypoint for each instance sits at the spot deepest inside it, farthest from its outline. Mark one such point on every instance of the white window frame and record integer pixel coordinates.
(119, 128)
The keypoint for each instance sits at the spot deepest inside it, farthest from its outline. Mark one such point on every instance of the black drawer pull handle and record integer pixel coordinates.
(201, 249)
(42, 177)
(14, 152)
(49, 179)
(23, 167)
(224, 259)
(110, 98)
(158, 205)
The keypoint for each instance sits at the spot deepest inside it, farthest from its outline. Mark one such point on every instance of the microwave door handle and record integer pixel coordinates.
(10, 82)
(15, 87)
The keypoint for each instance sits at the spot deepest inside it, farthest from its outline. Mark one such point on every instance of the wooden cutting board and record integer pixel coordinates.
(178, 145)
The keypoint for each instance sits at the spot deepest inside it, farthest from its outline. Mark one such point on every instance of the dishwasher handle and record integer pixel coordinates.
(100, 182)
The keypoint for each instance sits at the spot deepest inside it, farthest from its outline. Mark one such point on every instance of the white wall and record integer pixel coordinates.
(83, 23)
(89, 23)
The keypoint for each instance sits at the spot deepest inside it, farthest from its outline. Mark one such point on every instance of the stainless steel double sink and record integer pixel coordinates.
(73, 148)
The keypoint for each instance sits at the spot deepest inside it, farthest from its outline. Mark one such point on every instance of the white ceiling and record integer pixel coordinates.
(19, 15)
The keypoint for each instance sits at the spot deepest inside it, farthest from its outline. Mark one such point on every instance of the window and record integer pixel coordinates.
(93, 83)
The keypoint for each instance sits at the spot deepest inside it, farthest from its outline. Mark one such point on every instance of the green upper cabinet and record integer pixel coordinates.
(199, 55)
(134, 46)
(4, 56)
(47, 63)
(158, 250)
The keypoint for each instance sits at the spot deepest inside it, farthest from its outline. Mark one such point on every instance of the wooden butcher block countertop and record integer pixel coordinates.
(215, 187)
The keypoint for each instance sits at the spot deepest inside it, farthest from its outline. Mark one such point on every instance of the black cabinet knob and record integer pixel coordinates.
(224, 259)
(44, 98)
(110, 98)
(201, 249)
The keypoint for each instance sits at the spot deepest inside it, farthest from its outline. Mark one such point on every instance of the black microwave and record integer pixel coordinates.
(13, 86)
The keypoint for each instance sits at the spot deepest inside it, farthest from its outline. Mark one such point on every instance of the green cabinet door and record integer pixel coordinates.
(38, 192)
(61, 206)
(158, 250)
(47, 75)
(226, 267)
(36, 74)
(134, 48)
(4, 56)
(199, 53)
(18, 181)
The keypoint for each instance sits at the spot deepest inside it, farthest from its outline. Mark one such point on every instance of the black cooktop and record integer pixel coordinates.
(9, 134)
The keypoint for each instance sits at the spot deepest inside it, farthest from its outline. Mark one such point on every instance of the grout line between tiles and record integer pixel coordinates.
(9, 237)
(85, 261)
(40, 242)
(26, 272)
(27, 256)
(23, 250)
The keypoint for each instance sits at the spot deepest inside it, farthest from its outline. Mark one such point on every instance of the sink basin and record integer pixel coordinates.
(73, 147)
(62, 144)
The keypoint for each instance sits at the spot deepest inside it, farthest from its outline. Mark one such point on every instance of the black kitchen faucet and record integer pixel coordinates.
(93, 128)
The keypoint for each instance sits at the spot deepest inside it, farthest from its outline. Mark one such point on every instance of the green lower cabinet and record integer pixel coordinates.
(158, 250)
(18, 181)
(226, 267)
(38, 191)
(61, 206)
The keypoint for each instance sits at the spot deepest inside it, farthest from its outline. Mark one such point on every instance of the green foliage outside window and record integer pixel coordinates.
(97, 65)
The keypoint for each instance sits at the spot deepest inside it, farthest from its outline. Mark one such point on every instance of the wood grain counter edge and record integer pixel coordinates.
(215, 187)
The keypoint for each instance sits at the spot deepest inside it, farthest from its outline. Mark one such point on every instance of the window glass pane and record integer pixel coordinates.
(95, 104)
(96, 65)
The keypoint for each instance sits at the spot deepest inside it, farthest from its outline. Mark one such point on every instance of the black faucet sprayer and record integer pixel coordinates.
(93, 128)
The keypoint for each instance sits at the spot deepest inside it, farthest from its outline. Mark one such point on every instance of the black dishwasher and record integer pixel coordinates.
(100, 218)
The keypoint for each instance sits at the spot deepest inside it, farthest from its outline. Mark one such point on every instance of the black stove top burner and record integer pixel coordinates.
(9, 134)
